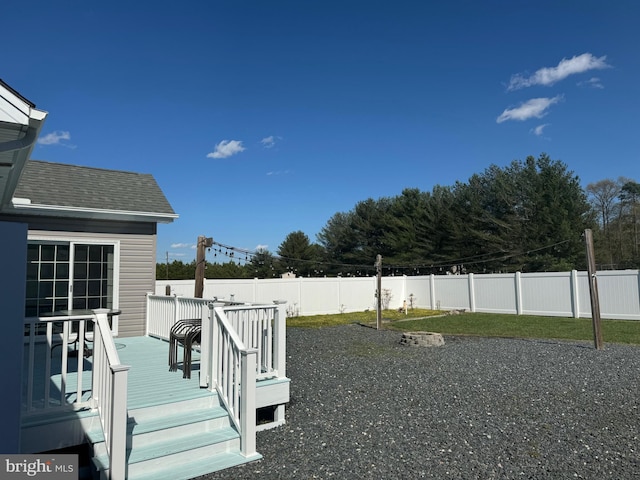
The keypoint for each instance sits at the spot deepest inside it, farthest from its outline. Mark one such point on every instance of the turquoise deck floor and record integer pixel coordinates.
(150, 382)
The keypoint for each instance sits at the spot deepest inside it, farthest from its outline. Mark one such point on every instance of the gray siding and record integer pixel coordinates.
(136, 272)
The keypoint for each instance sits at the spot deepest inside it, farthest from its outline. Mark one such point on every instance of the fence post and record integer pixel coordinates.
(518, 284)
(432, 290)
(575, 297)
(472, 293)
(255, 290)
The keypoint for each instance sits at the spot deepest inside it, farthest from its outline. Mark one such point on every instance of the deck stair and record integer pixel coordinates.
(176, 441)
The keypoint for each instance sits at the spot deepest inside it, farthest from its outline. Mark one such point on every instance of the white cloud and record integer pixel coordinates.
(261, 248)
(550, 75)
(226, 148)
(278, 172)
(54, 138)
(593, 82)
(268, 142)
(183, 245)
(534, 108)
(539, 130)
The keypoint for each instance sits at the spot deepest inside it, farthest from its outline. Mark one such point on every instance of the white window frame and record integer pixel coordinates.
(72, 240)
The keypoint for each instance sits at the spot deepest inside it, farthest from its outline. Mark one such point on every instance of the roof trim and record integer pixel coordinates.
(24, 205)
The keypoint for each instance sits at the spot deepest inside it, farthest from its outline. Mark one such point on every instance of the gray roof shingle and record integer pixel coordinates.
(57, 184)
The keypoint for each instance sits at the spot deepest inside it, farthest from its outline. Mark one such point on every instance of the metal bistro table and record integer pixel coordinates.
(74, 337)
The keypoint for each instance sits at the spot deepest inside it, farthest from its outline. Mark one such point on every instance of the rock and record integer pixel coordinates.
(422, 339)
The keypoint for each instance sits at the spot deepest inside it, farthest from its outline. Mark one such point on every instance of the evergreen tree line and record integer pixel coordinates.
(528, 216)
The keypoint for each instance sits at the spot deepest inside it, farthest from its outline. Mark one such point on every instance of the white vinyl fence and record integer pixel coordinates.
(563, 294)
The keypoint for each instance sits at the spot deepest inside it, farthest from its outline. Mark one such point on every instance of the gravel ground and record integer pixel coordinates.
(365, 407)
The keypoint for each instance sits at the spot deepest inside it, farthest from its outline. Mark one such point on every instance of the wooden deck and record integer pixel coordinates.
(150, 381)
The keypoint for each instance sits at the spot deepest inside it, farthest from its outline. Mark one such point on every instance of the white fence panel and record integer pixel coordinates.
(319, 296)
(554, 293)
(420, 288)
(181, 288)
(619, 293)
(547, 293)
(396, 287)
(281, 288)
(452, 292)
(357, 294)
(238, 290)
(495, 293)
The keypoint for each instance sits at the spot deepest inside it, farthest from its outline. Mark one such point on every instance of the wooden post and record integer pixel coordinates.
(203, 243)
(593, 290)
(378, 266)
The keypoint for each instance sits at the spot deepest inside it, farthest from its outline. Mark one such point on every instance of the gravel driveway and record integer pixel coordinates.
(365, 407)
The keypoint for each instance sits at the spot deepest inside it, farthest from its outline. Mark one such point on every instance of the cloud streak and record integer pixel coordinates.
(268, 142)
(183, 245)
(593, 82)
(226, 148)
(54, 138)
(549, 75)
(534, 108)
(539, 130)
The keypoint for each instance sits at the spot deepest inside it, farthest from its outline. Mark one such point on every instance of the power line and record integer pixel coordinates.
(230, 251)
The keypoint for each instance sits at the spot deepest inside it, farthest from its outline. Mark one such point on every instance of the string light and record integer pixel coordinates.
(391, 269)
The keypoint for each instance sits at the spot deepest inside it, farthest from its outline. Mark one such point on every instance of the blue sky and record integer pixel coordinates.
(261, 118)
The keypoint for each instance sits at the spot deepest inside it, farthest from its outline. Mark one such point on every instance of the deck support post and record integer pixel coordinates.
(248, 366)
(280, 338)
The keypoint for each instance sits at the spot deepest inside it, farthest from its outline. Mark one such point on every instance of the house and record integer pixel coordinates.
(88, 239)
(98, 227)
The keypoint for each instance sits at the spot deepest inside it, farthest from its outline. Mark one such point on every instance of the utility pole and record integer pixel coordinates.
(593, 290)
(203, 243)
(378, 266)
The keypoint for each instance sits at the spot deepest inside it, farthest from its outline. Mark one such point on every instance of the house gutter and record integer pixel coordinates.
(25, 206)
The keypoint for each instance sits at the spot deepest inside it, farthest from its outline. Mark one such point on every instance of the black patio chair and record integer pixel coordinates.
(185, 333)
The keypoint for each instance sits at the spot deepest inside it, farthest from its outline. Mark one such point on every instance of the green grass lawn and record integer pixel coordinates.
(483, 324)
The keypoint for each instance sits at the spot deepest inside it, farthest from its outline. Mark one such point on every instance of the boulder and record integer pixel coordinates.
(422, 339)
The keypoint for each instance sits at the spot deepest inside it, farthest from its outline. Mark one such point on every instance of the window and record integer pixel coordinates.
(68, 275)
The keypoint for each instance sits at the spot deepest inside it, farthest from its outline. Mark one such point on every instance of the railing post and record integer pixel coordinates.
(214, 354)
(280, 338)
(147, 313)
(248, 395)
(206, 345)
(175, 311)
(118, 440)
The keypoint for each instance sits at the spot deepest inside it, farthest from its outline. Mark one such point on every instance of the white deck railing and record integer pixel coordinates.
(240, 344)
(44, 370)
(261, 327)
(109, 395)
(232, 366)
(107, 390)
(258, 326)
(164, 311)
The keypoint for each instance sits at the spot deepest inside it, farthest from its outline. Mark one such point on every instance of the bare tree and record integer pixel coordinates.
(630, 198)
(603, 195)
